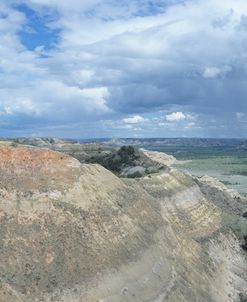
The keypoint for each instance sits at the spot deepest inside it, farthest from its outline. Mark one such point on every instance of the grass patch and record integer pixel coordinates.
(236, 223)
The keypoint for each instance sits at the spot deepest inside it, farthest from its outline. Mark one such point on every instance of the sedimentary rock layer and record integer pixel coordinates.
(76, 232)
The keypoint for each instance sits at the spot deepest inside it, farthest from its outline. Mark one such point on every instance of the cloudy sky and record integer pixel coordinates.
(123, 68)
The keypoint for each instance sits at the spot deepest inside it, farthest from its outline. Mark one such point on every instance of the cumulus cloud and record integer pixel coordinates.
(120, 60)
(178, 116)
(175, 117)
(135, 119)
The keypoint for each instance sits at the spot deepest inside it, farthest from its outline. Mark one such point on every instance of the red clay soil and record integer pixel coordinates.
(29, 168)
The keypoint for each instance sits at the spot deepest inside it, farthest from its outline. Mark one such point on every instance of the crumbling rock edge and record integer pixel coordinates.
(75, 232)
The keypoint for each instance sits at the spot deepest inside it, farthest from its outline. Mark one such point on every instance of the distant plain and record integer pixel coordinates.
(225, 159)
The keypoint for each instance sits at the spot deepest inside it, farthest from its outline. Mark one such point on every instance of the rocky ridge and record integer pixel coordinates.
(124, 161)
(76, 232)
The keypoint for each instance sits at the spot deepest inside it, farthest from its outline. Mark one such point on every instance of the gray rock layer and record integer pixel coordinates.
(73, 232)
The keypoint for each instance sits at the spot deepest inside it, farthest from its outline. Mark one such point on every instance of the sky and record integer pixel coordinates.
(123, 68)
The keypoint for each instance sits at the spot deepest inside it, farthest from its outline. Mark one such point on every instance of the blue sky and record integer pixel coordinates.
(36, 32)
(107, 68)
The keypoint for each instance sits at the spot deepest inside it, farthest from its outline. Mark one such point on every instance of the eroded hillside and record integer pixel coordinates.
(76, 232)
(124, 161)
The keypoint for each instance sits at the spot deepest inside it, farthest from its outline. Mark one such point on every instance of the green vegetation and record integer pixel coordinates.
(115, 160)
(236, 223)
(15, 142)
(225, 159)
(231, 170)
(228, 165)
(228, 183)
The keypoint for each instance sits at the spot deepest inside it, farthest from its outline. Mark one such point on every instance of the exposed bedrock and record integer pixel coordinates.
(73, 232)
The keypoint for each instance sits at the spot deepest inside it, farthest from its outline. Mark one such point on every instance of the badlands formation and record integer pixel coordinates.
(73, 232)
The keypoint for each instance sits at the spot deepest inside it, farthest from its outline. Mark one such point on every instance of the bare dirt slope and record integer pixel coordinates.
(74, 232)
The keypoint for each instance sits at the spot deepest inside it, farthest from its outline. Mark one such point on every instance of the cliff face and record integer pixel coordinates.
(76, 232)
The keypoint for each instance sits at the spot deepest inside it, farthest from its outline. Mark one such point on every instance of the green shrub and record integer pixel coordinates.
(116, 159)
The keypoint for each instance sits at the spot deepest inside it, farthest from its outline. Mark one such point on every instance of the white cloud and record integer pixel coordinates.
(175, 117)
(111, 61)
(211, 72)
(191, 125)
(135, 119)
(241, 116)
(21, 105)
